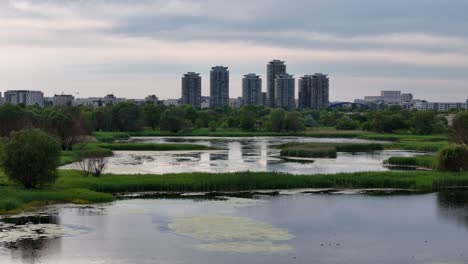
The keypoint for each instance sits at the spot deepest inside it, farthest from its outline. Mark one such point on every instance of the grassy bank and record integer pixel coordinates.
(324, 150)
(205, 132)
(416, 161)
(72, 187)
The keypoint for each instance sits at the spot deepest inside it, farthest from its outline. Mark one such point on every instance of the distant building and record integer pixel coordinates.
(274, 69)
(169, 102)
(2, 100)
(191, 89)
(406, 97)
(110, 99)
(314, 91)
(63, 100)
(264, 99)
(252, 90)
(28, 98)
(219, 86)
(285, 91)
(391, 97)
(205, 102)
(235, 102)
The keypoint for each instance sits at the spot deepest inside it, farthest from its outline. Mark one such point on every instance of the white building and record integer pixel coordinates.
(169, 102)
(1, 99)
(28, 98)
(391, 97)
(63, 100)
(235, 102)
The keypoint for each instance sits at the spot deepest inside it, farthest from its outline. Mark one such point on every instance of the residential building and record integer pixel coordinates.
(274, 69)
(285, 91)
(205, 102)
(314, 91)
(264, 99)
(25, 97)
(2, 100)
(219, 86)
(406, 98)
(235, 102)
(175, 102)
(391, 97)
(252, 90)
(191, 89)
(63, 100)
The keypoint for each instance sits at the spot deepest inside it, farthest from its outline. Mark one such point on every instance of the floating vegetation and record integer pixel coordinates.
(11, 233)
(244, 247)
(232, 234)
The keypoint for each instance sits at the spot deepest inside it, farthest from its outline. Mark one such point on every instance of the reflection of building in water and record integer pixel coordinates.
(219, 156)
(453, 205)
(251, 151)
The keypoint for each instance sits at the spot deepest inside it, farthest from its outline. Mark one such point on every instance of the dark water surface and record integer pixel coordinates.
(297, 228)
(242, 154)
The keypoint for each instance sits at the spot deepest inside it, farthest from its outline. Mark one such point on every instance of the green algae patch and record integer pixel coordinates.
(232, 234)
(245, 247)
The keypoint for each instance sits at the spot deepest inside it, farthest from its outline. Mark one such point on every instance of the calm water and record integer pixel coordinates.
(298, 228)
(241, 154)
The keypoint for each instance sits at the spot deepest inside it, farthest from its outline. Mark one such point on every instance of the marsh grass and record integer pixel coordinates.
(324, 150)
(416, 161)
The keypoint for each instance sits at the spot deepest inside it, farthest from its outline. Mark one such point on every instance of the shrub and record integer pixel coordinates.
(31, 157)
(459, 132)
(453, 158)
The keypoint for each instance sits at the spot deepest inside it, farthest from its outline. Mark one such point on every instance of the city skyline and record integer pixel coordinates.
(134, 49)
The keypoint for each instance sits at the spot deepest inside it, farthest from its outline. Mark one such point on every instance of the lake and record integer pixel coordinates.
(242, 154)
(345, 227)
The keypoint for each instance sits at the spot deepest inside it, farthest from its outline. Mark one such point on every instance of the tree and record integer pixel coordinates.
(247, 120)
(423, 122)
(277, 120)
(346, 123)
(459, 131)
(12, 117)
(31, 157)
(152, 114)
(172, 119)
(127, 117)
(293, 122)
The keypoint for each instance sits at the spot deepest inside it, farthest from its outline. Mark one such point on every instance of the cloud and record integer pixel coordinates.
(106, 39)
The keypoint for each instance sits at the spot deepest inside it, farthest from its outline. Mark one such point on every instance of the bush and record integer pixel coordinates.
(460, 128)
(31, 157)
(453, 158)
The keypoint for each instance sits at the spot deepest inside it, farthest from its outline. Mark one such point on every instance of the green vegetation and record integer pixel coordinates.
(416, 161)
(324, 150)
(453, 158)
(459, 131)
(71, 186)
(30, 157)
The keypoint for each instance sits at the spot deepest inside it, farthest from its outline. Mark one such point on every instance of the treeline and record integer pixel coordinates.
(69, 123)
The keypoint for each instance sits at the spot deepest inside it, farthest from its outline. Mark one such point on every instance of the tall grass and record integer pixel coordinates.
(418, 180)
(417, 161)
(325, 150)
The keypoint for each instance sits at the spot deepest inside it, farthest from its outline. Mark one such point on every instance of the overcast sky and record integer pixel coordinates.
(136, 48)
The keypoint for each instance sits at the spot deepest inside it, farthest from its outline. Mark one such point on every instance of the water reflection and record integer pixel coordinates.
(351, 229)
(453, 205)
(241, 154)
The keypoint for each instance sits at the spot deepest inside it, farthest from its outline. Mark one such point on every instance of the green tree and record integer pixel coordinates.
(31, 157)
(152, 114)
(12, 117)
(293, 122)
(172, 119)
(459, 131)
(423, 122)
(247, 120)
(346, 123)
(277, 117)
(127, 116)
